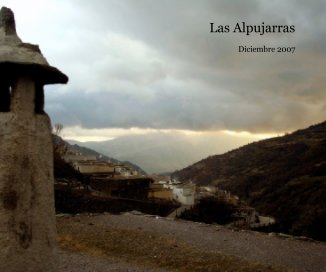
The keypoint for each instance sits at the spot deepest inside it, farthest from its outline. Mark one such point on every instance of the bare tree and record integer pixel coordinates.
(57, 129)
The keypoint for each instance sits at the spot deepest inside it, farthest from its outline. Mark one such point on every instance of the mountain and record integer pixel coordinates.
(284, 177)
(162, 152)
(88, 151)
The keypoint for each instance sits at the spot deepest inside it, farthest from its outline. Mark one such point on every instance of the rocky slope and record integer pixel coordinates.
(284, 177)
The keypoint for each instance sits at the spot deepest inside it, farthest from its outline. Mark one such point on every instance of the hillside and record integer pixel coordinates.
(160, 152)
(284, 177)
(88, 151)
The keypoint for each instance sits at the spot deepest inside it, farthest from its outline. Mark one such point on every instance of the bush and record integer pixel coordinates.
(210, 210)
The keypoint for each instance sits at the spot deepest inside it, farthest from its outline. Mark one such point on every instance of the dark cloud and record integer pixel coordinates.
(154, 64)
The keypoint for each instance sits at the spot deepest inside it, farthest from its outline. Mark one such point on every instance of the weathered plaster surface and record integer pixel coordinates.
(27, 216)
(12, 48)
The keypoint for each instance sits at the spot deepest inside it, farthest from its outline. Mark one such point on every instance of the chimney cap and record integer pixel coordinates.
(7, 21)
(23, 58)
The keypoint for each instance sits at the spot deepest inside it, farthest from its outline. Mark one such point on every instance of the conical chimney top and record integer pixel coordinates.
(23, 59)
(7, 21)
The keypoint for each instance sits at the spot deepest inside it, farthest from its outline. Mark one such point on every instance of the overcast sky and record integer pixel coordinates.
(154, 65)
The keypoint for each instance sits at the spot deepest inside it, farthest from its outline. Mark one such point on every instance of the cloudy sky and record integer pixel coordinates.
(138, 66)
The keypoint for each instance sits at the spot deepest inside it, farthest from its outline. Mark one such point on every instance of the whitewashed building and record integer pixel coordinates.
(184, 194)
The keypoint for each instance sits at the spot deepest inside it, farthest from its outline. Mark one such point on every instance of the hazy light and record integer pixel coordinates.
(249, 134)
(104, 134)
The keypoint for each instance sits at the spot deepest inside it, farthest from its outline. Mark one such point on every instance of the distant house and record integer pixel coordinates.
(89, 165)
(159, 192)
(94, 167)
(184, 194)
(125, 171)
(78, 157)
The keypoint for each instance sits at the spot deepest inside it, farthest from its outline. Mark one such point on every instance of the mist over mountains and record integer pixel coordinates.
(283, 177)
(161, 152)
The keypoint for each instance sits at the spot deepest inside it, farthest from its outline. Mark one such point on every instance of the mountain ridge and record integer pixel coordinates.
(161, 152)
(283, 176)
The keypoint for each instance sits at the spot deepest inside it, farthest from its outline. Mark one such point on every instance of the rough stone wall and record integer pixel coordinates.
(27, 216)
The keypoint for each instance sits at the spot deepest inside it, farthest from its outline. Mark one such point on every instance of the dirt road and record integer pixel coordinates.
(160, 240)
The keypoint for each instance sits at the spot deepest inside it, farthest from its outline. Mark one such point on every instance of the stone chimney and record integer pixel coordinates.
(27, 215)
